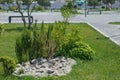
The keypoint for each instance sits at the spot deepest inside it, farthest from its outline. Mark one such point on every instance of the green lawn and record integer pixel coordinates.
(115, 23)
(104, 66)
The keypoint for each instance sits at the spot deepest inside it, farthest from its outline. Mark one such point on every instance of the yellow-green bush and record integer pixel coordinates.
(12, 8)
(8, 65)
(77, 49)
(82, 50)
(38, 8)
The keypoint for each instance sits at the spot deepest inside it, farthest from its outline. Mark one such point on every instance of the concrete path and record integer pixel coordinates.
(98, 22)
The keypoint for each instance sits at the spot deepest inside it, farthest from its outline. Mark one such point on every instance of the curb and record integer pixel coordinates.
(116, 42)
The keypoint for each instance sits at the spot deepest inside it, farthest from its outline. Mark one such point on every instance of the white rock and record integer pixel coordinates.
(42, 68)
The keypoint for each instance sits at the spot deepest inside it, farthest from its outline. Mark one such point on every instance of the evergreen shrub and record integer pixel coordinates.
(76, 49)
(8, 65)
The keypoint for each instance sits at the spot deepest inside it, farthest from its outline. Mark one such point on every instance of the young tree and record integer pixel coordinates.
(29, 10)
(66, 13)
(30, 7)
(93, 3)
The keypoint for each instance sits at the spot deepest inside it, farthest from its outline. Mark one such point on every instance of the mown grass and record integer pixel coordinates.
(115, 23)
(104, 66)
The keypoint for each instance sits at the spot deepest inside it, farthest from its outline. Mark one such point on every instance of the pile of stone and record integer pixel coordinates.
(42, 67)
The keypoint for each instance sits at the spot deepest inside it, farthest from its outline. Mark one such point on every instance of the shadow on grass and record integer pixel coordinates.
(17, 29)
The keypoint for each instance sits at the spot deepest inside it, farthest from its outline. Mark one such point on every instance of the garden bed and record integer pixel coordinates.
(105, 64)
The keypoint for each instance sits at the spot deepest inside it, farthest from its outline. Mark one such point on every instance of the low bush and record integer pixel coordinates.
(38, 8)
(82, 50)
(8, 65)
(76, 49)
(12, 8)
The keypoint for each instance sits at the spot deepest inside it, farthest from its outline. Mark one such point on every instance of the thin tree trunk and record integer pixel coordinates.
(106, 7)
(19, 10)
(29, 19)
(29, 16)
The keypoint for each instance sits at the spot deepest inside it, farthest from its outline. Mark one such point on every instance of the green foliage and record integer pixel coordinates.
(77, 49)
(98, 69)
(39, 8)
(93, 3)
(12, 8)
(1, 28)
(82, 50)
(114, 23)
(8, 65)
(59, 32)
(31, 45)
(66, 13)
(6, 1)
(108, 1)
(74, 47)
(23, 46)
(35, 44)
(69, 5)
(51, 44)
(38, 44)
(51, 40)
(44, 2)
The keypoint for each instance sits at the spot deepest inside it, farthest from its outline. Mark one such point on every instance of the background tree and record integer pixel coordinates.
(44, 3)
(72, 1)
(30, 6)
(108, 3)
(93, 3)
(6, 3)
(29, 10)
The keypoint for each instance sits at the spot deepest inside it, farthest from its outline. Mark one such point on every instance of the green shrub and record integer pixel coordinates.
(30, 45)
(76, 49)
(38, 44)
(35, 44)
(12, 8)
(8, 65)
(82, 50)
(38, 8)
(23, 46)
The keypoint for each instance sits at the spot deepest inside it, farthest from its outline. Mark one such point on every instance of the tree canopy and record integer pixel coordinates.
(6, 1)
(108, 3)
(44, 2)
(93, 3)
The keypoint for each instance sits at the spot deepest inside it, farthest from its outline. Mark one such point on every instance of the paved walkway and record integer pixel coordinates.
(98, 22)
